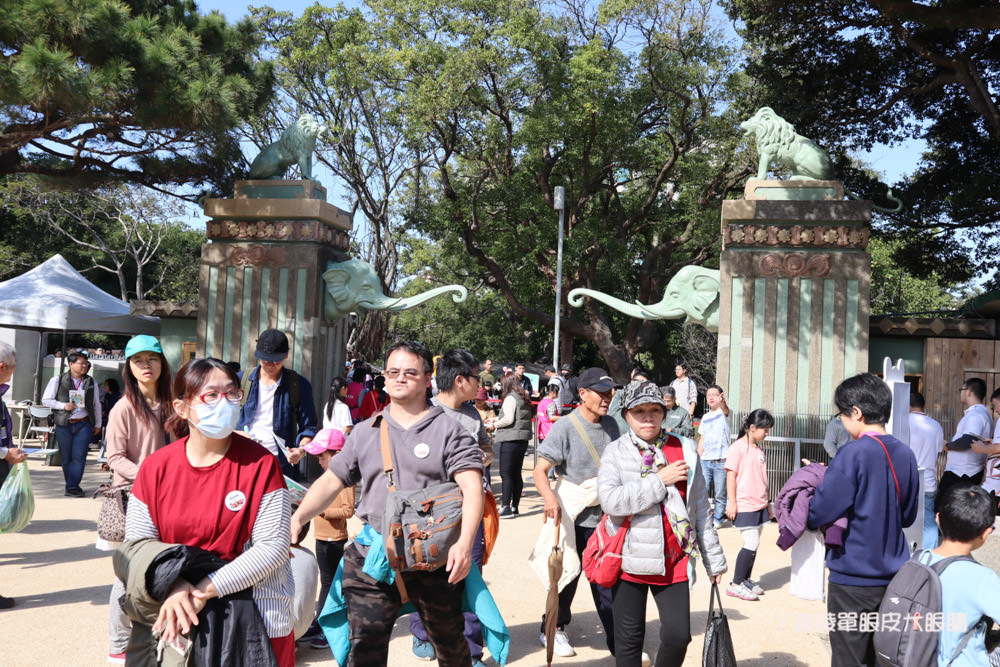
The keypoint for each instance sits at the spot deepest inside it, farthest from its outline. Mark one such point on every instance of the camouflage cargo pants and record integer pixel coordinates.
(372, 608)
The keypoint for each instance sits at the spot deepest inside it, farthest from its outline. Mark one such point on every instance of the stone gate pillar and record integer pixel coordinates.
(261, 268)
(794, 296)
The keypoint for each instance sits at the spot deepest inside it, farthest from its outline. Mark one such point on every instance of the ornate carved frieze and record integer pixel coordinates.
(933, 327)
(794, 264)
(255, 255)
(276, 230)
(818, 236)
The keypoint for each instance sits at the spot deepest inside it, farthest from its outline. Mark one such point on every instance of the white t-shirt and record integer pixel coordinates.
(262, 426)
(978, 422)
(341, 417)
(686, 392)
(991, 480)
(926, 440)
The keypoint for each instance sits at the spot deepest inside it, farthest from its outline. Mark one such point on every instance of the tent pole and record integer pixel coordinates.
(62, 355)
(36, 395)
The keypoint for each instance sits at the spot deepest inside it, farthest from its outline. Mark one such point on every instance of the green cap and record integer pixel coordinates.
(142, 343)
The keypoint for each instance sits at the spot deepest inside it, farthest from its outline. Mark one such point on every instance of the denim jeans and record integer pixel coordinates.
(715, 471)
(73, 441)
(930, 525)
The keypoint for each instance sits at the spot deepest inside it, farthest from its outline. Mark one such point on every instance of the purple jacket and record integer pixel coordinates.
(791, 507)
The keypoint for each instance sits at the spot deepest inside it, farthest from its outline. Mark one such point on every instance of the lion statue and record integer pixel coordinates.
(295, 146)
(778, 142)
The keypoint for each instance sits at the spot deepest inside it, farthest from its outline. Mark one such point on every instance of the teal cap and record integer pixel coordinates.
(142, 343)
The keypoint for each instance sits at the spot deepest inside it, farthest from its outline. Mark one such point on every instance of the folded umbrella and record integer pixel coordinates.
(552, 601)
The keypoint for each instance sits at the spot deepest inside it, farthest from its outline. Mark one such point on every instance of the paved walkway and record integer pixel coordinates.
(61, 583)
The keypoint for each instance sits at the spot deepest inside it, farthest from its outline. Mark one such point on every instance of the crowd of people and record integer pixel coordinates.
(610, 458)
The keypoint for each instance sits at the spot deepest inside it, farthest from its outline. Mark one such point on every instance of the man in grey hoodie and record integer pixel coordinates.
(429, 448)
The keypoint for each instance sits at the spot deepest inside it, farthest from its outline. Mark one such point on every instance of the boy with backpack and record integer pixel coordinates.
(969, 591)
(873, 482)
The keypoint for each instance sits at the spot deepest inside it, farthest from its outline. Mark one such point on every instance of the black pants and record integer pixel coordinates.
(673, 603)
(511, 478)
(949, 479)
(602, 597)
(328, 555)
(372, 607)
(852, 648)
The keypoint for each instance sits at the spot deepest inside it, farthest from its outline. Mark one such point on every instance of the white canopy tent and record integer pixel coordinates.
(55, 297)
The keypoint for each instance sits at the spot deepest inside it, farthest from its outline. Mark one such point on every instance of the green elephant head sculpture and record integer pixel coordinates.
(693, 293)
(353, 285)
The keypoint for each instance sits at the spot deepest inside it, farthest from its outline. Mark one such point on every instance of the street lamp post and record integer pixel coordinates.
(560, 204)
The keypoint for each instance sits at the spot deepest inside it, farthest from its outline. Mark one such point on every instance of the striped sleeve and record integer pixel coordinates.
(267, 550)
(138, 522)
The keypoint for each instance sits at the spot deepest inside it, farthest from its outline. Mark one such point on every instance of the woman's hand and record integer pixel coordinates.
(179, 612)
(295, 454)
(731, 510)
(715, 578)
(673, 473)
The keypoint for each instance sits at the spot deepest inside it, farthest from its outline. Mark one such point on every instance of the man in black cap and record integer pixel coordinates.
(574, 446)
(278, 409)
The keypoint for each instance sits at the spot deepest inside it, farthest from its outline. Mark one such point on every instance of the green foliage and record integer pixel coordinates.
(853, 74)
(127, 240)
(141, 90)
(485, 107)
(895, 290)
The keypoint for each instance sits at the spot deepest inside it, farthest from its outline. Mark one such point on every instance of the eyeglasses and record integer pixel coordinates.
(234, 395)
(408, 374)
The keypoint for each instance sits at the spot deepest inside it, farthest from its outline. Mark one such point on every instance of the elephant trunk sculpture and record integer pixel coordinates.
(354, 285)
(693, 293)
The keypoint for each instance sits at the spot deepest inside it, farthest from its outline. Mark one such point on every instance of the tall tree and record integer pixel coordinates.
(856, 73)
(495, 104)
(146, 91)
(126, 232)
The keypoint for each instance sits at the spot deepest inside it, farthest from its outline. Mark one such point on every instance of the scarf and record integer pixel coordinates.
(653, 459)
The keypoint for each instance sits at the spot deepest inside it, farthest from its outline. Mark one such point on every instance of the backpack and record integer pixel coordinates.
(912, 595)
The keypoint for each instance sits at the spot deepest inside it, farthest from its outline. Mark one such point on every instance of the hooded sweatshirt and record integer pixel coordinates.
(427, 453)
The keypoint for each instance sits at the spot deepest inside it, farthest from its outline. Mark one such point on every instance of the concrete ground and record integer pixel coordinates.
(61, 584)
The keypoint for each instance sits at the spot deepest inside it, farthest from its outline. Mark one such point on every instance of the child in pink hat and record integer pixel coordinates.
(330, 527)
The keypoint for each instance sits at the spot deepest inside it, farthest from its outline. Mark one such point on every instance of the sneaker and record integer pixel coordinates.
(507, 512)
(560, 645)
(423, 650)
(74, 493)
(319, 641)
(313, 631)
(514, 510)
(754, 586)
(116, 658)
(740, 591)
(6, 603)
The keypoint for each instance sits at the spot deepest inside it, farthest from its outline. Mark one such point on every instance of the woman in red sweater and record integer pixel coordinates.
(223, 493)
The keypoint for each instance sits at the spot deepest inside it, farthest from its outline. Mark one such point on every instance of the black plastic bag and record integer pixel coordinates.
(718, 642)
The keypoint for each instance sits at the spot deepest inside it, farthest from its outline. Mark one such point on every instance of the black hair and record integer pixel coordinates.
(977, 387)
(72, 357)
(164, 394)
(187, 385)
(552, 389)
(336, 384)
(917, 400)
(235, 365)
(681, 364)
(413, 347)
(454, 363)
(867, 393)
(759, 418)
(995, 395)
(112, 385)
(965, 512)
(714, 386)
(640, 371)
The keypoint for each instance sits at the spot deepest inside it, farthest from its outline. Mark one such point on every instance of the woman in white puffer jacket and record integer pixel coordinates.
(656, 479)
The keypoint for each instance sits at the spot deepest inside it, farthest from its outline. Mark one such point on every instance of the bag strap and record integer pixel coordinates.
(575, 419)
(387, 466)
(715, 595)
(892, 468)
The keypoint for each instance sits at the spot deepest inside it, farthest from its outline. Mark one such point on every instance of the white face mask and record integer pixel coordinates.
(217, 421)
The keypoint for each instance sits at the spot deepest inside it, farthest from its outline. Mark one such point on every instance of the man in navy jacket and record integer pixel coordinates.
(278, 410)
(874, 482)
